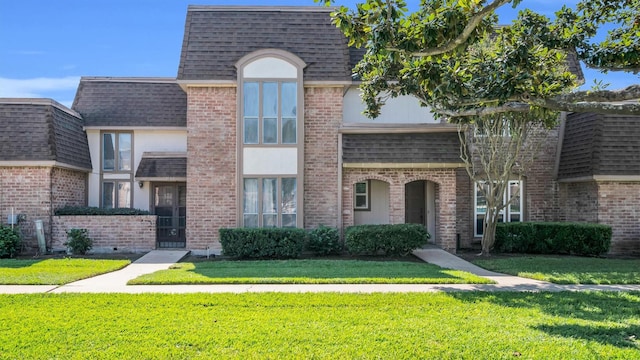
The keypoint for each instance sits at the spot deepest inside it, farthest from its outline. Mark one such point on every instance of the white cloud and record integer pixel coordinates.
(36, 87)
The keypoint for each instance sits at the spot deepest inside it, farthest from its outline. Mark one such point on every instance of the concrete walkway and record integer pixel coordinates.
(116, 282)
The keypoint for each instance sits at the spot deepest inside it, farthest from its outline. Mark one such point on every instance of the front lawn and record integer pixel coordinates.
(54, 271)
(567, 269)
(471, 325)
(307, 272)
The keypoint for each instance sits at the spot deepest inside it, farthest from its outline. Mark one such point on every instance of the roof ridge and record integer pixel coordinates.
(40, 102)
(292, 8)
(137, 79)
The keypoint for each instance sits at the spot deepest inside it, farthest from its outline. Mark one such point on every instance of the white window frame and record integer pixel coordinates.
(280, 211)
(506, 213)
(366, 194)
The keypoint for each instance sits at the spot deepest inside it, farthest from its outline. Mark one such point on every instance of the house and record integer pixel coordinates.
(265, 128)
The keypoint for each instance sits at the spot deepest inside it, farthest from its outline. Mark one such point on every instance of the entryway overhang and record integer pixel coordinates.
(162, 167)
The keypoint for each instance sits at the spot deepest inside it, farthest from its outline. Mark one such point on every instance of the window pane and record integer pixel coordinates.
(481, 200)
(289, 99)
(361, 188)
(289, 196)
(514, 193)
(250, 220)
(269, 196)
(250, 200)
(108, 195)
(270, 99)
(124, 152)
(270, 220)
(289, 220)
(361, 201)
(124, 194)
(250, 130)
(270, 131)
(289, 134)
(250, 98)
(108, 151)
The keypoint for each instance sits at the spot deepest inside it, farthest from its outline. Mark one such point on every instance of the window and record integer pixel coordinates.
(269, 112)
(269, 202)
(116, 152)
(511, 213)
(116, 194)
(362, 196)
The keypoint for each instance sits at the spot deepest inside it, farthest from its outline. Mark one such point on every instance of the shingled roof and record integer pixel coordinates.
(42, 130)
(123, 102)
(403, 148)
(216, 37)
(597, 144)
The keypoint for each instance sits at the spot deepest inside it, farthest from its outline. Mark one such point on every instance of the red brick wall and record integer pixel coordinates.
(36, 192)
(579, 201)
(131, 234)
(322, 118)
(464, 209)
(540, 187)
(619, 206)
(211, 164)
(445, 180)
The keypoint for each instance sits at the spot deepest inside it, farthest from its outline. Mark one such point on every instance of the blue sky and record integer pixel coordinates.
(45, 45)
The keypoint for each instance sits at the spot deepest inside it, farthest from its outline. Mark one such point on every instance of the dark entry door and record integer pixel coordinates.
(415, 203)
(170, 204)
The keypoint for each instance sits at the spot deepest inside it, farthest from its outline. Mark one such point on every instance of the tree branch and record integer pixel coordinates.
(483, 111)
(473, 23)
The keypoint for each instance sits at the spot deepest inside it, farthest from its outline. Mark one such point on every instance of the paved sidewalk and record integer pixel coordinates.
(116, 282)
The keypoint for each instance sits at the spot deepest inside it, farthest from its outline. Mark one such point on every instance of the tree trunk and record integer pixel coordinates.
(489, 234)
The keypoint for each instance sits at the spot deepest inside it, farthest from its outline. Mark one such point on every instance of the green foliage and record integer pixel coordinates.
(463, 325)
(78, 241)
(9, 241)
(396, 239)
(307, 272)
(262, 243)
(89, 210)
(54, 271)
(567, 269)
(324, 240)
(553, 238)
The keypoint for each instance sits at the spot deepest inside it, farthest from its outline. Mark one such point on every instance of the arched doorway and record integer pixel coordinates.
(420, 205)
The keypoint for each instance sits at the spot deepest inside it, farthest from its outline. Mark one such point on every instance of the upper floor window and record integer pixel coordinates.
(116, 151)
(270, 112)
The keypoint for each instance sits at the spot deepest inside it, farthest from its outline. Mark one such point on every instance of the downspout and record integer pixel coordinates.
(340, 185)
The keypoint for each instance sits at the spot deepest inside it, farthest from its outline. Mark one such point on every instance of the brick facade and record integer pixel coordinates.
(322, 118)
(35, 193)
(445, 193)
(110, 234)
(211, 165)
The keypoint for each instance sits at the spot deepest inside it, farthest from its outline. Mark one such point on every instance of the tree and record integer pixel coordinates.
(454, 58)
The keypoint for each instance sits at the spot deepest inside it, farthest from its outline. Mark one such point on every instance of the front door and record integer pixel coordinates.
(170, 204)
(420, 205)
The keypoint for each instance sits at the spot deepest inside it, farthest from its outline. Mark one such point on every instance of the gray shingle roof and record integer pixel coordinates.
(42, 130)
(157, 102)
(596, 144)
(442, 147)
(217, 37)
(162, 167)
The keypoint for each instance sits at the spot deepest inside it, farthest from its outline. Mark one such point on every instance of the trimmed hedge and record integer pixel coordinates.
(262, 243)
(89, 210)
(553, 238)
(324, 240)
(396, 239)
(9, 241)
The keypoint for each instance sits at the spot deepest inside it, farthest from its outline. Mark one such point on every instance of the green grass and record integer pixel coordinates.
(567, 269)
(307, 272)
(470, 325)
(54, 271)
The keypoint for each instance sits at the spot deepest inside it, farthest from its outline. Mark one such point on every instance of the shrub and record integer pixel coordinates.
(324, 240)
(262, 243)
(78, 241)
(9, 241)
(397, 239)
(89, 210)
(553, 238)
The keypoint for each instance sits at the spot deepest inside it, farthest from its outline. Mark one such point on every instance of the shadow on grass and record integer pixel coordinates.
(17, 263)
(623, 336)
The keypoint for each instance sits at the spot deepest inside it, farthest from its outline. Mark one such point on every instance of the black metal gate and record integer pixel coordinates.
(170, 202)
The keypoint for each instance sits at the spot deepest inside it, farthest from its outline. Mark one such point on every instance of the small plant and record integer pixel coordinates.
(324, 240)
(79, 241)
(9, 241)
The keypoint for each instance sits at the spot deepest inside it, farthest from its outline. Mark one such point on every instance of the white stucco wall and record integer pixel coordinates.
(379, 213)
(269, 67)
(400, 110)
(270, 161)
(144, 140)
